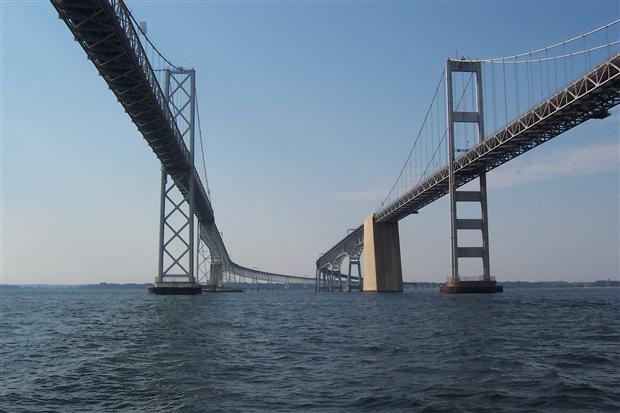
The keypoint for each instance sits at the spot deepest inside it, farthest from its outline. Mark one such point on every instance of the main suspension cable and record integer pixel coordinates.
(151, 43)
(202, 150)
(544, 49)
(417, 137)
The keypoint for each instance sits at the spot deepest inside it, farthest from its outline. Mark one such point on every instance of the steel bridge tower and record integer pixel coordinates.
(476, 117)
(177, 264)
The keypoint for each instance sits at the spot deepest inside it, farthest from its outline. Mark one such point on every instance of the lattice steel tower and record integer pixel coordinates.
(176, 227)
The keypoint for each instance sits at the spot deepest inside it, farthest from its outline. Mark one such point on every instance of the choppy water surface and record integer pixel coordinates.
(83, 350)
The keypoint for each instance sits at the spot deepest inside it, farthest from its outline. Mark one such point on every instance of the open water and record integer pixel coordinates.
(118, 350)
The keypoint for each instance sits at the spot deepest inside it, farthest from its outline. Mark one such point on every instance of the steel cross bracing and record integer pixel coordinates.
(105, 31)
(176, 239)
(590, 97)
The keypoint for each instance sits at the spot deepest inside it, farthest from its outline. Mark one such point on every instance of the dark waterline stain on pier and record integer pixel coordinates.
(83, 350)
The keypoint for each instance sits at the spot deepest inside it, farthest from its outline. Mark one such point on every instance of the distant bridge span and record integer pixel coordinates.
(165, 116)
(589, 97)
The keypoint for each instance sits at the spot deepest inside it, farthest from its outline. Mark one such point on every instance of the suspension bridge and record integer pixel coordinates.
(525, 100)
(162, 103)
(533, 97)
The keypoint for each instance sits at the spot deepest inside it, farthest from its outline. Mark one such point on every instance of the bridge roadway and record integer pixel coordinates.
(590, 97)
(105, 31)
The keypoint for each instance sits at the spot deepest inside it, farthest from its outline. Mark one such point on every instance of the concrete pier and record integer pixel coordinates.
(173, 287)
(382, 267)
(471, 287)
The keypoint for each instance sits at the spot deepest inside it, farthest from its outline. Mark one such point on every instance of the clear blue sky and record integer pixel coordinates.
(309, 111)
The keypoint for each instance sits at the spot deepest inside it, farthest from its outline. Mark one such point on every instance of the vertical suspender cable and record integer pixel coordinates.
(529, 82)
(565, 66)
(587, 59)
(493, 96)
(517, 88)
(572, 72)
(555, 70)
(505, 93)
(542, 93)
(608, 45)
(547, 64)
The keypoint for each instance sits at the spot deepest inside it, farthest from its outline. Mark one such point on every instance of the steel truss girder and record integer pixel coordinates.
(106, 33)
(328, 265)
(594, 93)
(586, 98)
(104, 29)
(351, 246)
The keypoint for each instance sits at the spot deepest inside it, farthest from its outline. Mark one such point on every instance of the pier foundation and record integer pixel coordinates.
(471, 287)
(172, 287)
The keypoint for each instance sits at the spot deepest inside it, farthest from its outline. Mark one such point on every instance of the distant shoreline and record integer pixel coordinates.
(407, 285)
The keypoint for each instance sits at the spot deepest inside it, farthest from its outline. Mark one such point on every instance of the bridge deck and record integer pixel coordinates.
(590, 97)
(105, 31)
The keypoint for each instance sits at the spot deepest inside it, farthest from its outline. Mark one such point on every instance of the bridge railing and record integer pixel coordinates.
(512, 87)
(125, 21)
(105, 26)
(516, 84)
(251, 273)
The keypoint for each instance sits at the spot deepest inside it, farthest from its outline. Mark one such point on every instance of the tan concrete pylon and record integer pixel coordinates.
(381, 263)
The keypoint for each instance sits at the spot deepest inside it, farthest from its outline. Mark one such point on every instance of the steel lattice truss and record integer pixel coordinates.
(105, 31)
(174, 230)
(350, 246)
(590, 97)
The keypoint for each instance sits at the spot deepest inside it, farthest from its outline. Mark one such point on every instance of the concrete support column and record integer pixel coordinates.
(349, 277)
(216, 275)
(331, 280)
(382, 266)
(317, 282)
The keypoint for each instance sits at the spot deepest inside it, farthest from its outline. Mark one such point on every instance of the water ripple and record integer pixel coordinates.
(83, 350)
